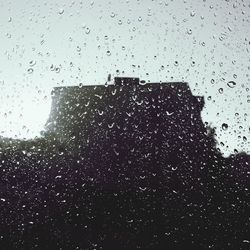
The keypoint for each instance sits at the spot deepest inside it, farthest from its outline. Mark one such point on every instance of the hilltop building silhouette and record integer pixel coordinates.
(128, 165)
(127, 129)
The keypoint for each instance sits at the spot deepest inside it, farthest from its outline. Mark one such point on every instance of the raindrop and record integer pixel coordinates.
(52, 67)
(32, 63)
(224, 126)
(169, 113)
(231, 84)
(142, 82)
(111, 125)
(61, 11)
(108, 53)
(220, 90)
(192, 13)
(87, 30)
(30, 70)
(174, 168)
(246, 241)
(100, 112)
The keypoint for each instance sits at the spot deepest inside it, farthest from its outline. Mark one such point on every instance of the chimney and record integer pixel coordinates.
(125, 81)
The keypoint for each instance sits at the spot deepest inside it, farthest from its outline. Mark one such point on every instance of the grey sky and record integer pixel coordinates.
(53, 43)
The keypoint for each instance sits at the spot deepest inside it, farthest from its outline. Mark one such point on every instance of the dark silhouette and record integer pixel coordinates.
(123, 166)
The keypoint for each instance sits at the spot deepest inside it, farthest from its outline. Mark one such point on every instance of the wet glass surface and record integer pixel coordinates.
(124, 125)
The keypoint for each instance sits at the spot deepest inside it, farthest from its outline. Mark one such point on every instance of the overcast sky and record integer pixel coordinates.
(55, 43)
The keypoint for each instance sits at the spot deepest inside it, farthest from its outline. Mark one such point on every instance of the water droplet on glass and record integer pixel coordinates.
(32, 63)
(100, 112)
(52, 67)
(108, 53)
(192, 13)
(30, 70)
(231, 84)
(87, 30)
(224, 126)
(220, 90)
(61, 11)
(169, 113)
(174, 168)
